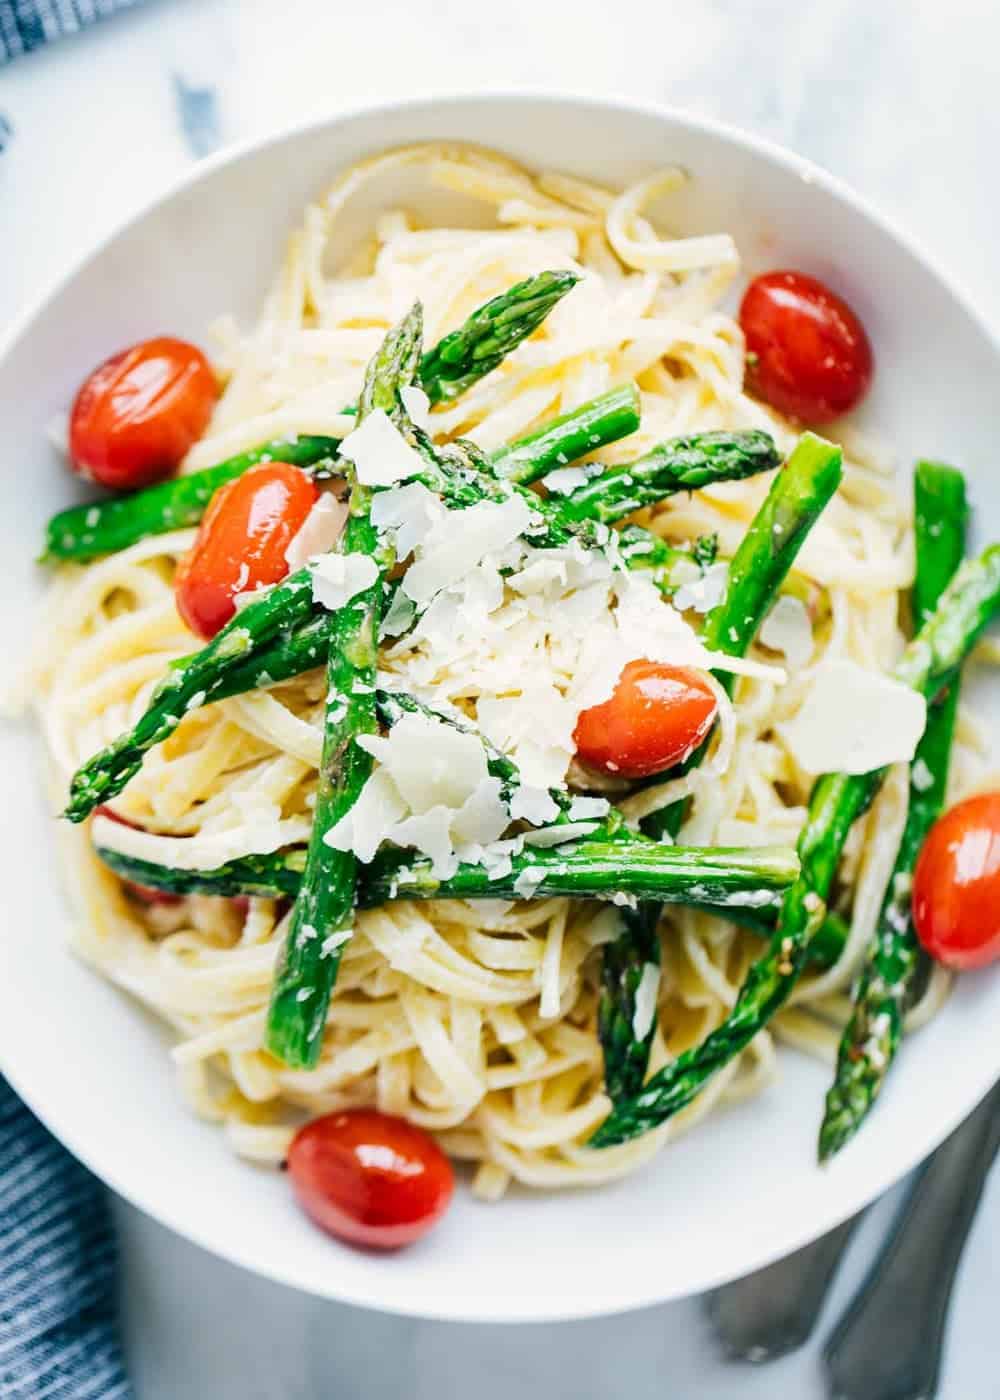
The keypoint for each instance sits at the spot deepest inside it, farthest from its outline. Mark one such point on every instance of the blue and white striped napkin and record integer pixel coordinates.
(59, 1335)
(28, 24)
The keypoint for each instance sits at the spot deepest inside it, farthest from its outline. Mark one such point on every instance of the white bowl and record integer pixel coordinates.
(741, 1190)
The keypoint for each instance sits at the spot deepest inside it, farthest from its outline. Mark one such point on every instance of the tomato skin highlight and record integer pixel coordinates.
(241, 542)
(956, 885)
(370, 1178)
(137, 414)
(656, 715)
(808, 353)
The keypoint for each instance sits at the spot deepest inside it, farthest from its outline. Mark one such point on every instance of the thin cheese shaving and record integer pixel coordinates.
(380, 453)
(854, 720)
(337, 578)
(318, 533)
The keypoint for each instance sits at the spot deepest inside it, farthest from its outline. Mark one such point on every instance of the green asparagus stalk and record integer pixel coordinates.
(872, 1035)
(572, 435)
(589, 868)
(461, 358)
(626, 1049)
(798, 495)
(465, 356)
(279, 875)
(104, 527)
(927, 664)
(324, 908)
(682, 464)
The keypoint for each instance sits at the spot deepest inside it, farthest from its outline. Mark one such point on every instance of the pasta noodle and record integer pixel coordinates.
(475, 1020)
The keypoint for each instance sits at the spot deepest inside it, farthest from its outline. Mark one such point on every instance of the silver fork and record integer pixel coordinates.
(775, 1310)
(889, 1343)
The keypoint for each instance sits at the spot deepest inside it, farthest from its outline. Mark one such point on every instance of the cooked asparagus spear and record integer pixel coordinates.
(797, 497)
(587, 868)
(324, 908)
(682, 464)
(572, 435)
(462, 357)
(490, 334)
(106, 526)
(871, 1037)
(927, 664)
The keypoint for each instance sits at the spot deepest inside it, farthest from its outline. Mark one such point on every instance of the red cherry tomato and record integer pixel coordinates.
(809, 356)
(137, 414)
(145, 894)
(655, 717)
(241, 542)
(370, 1178)
(956, 885)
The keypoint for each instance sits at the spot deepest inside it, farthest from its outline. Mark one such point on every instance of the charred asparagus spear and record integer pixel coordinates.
(871, 1037)
(324, 908)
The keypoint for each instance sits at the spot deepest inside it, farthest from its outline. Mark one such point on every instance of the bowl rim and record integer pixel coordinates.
(772, 151)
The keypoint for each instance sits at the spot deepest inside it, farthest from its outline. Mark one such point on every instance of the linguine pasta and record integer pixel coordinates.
(473, 1019)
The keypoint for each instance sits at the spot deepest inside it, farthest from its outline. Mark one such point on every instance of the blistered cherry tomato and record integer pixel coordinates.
(145, 894)
(241, 542)
(655, 717)
(370, 1178)
(137, 414)
(807, 352)
(956, 885)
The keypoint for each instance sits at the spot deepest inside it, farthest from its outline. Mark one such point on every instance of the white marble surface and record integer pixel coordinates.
(899, 97)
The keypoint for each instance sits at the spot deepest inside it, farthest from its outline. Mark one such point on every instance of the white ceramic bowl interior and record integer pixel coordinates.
(743, 1189)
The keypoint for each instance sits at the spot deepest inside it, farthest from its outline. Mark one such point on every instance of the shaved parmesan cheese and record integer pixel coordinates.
(533, 804)
(482, 817)
(399, 616)
(854, 721)
(558, 835)
(528, 881)
(564, 480)
(459, 540)
(318, 533)
(702, 594)
(787, 629)
(380, 453)
(431, 763)
(539, 576)
(604, 927)
(583, 807)
(430, 833)
(337, 578)
(363, 829)
(417, 405)
(645, 1001)
(431, 790)
(409, 512)
(535, 726)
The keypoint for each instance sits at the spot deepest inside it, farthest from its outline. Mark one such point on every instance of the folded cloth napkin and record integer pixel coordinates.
(28, 24)
(58, 1270)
